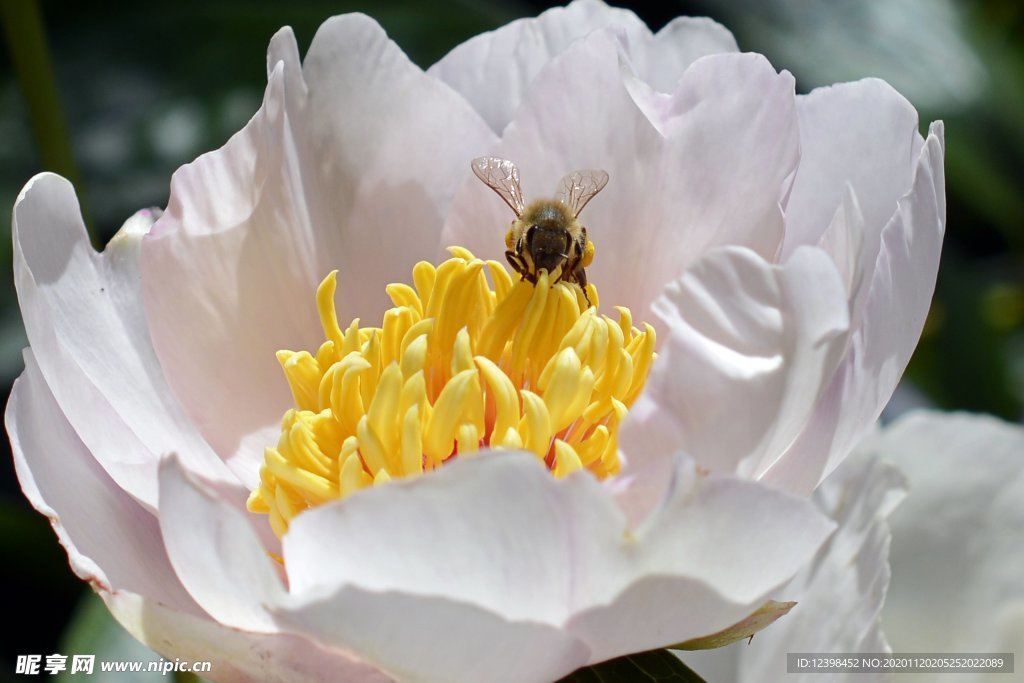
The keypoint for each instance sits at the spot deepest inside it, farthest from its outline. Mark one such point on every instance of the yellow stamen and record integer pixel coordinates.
(457, 366)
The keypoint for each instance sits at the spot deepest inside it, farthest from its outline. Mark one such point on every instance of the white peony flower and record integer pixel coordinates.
(782, 249)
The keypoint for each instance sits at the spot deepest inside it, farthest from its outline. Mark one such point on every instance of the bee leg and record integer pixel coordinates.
(517, 264)
(580, 276)
(573, 270)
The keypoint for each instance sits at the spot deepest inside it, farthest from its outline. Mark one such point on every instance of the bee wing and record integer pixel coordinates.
(579, 187)
(502, 176)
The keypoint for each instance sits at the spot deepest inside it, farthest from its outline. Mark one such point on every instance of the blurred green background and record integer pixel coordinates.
(145, 87)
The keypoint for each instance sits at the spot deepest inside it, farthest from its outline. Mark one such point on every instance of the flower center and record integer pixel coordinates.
(456, 366)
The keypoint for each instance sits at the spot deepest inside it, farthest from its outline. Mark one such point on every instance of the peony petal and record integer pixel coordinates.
(956, 550)
(839, 595)
(875, 127)
(216, 552)
(660, 61)
(898, 294)
(494, 70)
(111, 540)
(349, 164)
(843, 241)
(680, 559)
(498, 534)
(746, 338)
(235, 656)
(478, 537)
(84, 318)
(434, 638)
(398, 144)
(860, 135)
(674, 179)
(722, 143)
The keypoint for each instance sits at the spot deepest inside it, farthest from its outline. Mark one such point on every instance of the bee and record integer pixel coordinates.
(547, 234)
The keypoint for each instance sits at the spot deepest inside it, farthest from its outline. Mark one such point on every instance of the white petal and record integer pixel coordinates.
(349, 164)
(435, 639)
(498, 534)
(397, 143)
(235, 656)
(216, 552)
(843, 240)
(661, 61)
(886, 331)
(858, 134)
(494, 70)
(839, 595)
(716, 545)
(111, 540)
(751, 346)
(85, 322)
(957, 554)
(674, 178)
(723, 143)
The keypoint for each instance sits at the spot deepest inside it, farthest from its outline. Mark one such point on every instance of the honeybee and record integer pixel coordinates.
(547, 233)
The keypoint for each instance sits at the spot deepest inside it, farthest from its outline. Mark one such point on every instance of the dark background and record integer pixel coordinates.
(146, 87)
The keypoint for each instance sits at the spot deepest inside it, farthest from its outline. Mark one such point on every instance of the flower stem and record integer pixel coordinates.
(30, 55)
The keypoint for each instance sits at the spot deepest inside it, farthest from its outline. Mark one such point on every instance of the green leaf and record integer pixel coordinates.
(763, 616)
(657, 665)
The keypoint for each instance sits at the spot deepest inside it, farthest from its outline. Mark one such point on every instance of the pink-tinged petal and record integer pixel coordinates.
(112, 541)
(876, 128)
(674, 180)
(721, 144)
(660, 60)
(896, 302)
(843, 241)
(839, 595)
(350, 164)
(216, 552)
(235, 656)
(396, 145)
(84, 317)
(859, 134)
(500, 536)
(435, 639)
(682, 581)
(746, 339)
(493, 532)
(494, 70)
(228, 279)
(957, 555)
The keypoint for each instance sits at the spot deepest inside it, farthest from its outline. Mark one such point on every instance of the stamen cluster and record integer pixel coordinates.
(458, 365)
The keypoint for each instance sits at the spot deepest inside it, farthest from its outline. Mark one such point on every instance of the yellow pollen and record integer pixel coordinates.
(457, 366)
